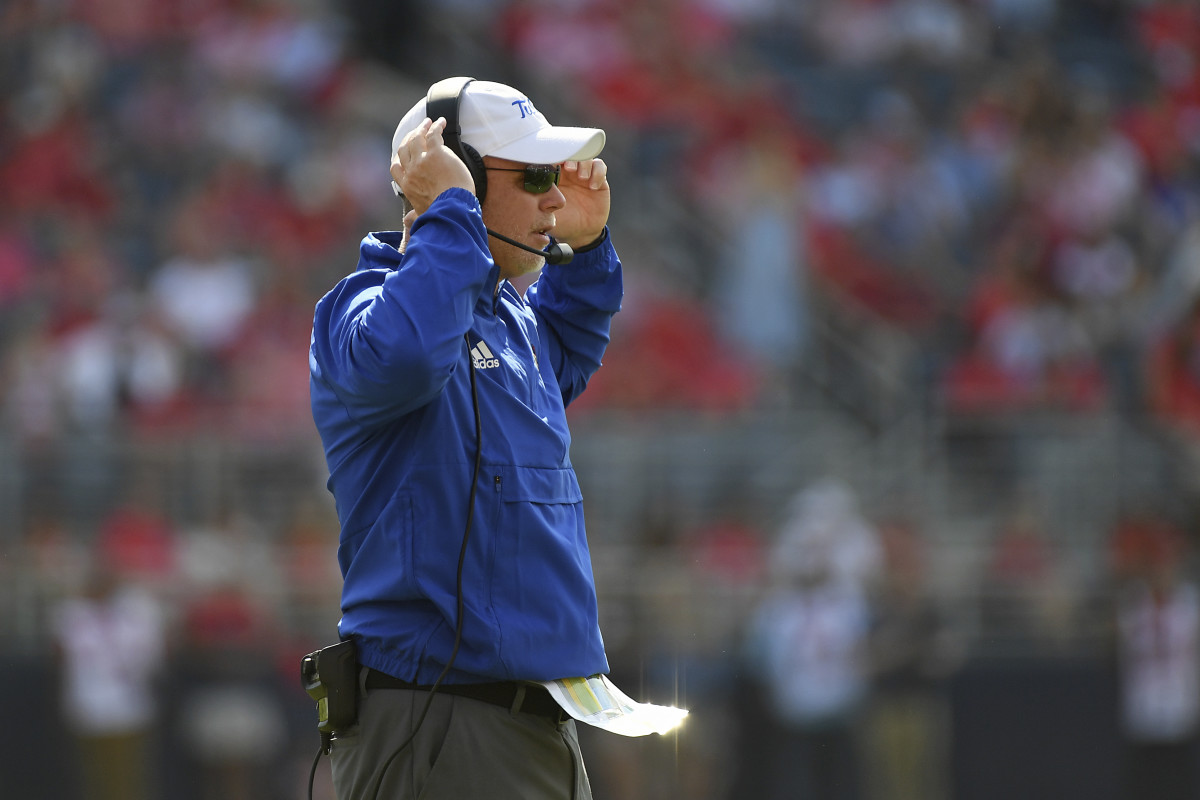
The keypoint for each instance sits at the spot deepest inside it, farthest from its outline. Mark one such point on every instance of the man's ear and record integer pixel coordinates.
(410, 217)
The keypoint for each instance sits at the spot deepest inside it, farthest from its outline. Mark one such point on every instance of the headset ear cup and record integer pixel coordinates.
(475, 166)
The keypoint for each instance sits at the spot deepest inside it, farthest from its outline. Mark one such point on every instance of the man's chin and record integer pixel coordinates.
(522, 266)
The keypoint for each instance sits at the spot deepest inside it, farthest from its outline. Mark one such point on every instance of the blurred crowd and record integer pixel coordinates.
(1007, 187)
(816, 652)
(171, 649)
(996, 203)
(181, 178)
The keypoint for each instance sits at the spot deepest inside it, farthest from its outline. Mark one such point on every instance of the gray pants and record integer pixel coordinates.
(465, 749)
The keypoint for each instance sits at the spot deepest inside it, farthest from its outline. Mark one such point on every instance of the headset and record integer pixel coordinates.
(444, 100)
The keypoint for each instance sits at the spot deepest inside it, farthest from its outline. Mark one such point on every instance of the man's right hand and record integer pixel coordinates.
(423, 167)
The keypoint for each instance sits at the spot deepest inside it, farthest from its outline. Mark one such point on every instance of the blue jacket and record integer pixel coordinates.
(391, 397)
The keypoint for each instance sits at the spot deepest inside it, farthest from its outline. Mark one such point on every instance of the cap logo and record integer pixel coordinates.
(525, 107)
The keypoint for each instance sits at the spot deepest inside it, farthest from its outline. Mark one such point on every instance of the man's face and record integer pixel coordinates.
(518, 214)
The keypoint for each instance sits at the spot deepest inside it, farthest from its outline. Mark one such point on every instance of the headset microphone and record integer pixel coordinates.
(556, 253)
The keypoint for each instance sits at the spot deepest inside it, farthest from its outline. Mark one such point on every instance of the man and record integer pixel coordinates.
(439, 392)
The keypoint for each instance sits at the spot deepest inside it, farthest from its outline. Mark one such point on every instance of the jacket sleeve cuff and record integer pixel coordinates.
(600, 240)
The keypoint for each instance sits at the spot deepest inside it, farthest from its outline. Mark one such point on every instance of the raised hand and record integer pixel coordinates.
(584, 184)
(423, 167)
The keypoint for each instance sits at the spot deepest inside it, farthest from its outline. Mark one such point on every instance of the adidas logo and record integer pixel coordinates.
(482, 357)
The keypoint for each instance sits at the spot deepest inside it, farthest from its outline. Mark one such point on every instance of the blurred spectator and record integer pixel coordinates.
(1028, 599)
(1178, 288)
(60, 564)
(1023, 350)
(32, 399)
(809, 646)
(825, 526)
(99, 359)
(762, 277)
(1143, 538)
(138, 538)
(226, 551)
(230, 718)
(112, 649)
(16, 266)
(204, 294)
(1088, 179)
(53, 160)
(1158, 628)
(266, 365)
(1173, 375)
(1170, 32)
(1101, 282)
(912, 654)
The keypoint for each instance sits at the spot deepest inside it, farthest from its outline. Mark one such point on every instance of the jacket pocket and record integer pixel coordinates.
(543, 590)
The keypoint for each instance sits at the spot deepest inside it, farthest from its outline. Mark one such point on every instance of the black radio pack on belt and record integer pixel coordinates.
(330, 676)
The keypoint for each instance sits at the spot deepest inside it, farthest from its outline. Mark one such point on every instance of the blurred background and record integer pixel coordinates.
(891, 471)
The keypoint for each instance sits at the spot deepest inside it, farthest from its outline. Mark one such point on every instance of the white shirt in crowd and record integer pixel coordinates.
(112, 648)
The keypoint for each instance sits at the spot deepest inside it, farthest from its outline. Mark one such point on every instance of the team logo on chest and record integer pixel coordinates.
(482, 357)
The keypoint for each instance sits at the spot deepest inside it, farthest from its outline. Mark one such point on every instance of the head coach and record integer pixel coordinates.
(439, 392)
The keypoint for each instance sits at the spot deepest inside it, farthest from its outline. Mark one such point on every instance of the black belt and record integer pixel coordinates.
(528, 698)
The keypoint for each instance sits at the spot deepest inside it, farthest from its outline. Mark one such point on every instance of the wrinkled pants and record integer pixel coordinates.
(464, 749)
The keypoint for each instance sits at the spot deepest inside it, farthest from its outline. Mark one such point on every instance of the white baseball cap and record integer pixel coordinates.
(499, 121)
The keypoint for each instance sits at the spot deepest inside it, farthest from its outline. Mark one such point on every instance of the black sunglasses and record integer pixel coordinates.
(538, 177)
